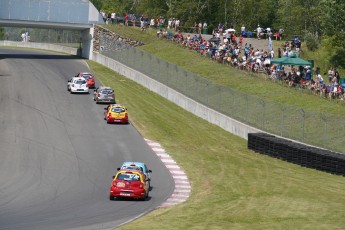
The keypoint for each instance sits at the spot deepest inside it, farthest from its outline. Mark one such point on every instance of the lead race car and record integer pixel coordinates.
(77, 85)
(89, 78)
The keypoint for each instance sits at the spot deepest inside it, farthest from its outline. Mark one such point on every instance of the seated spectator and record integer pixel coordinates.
(160, 33)
(308, 73)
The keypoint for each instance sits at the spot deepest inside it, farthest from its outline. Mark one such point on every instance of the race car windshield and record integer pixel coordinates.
(128, 177)
(133, 168)
(118, 110)
(106, 92)
(86, 76)
(80, 82)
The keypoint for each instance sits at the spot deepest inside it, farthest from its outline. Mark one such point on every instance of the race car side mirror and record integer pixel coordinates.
(150, 171)
(113, 177)
(118, 169)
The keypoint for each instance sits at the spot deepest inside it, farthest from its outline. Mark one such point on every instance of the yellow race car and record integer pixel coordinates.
(116, 113)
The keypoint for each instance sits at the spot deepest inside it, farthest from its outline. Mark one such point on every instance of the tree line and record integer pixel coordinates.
(295, 16)
(312, 20)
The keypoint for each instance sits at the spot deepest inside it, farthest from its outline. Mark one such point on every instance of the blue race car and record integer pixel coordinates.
(138, 166)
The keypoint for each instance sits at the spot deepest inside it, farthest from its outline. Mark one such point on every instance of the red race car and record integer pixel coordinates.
(89, 78)
(129, 184)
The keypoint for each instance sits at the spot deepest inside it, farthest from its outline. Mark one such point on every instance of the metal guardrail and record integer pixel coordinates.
(318, 129)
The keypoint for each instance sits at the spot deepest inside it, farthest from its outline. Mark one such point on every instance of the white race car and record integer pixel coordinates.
(77, 85)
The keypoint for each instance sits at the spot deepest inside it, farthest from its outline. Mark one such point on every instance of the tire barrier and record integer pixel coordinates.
(296, 153)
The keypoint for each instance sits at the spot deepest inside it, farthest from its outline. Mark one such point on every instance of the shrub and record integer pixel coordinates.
(338, 59)
(312, 42)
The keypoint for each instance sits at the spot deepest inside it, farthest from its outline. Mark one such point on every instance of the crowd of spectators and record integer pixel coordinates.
(226, 48)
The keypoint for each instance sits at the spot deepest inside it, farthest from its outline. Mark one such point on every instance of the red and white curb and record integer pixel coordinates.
(182, 188)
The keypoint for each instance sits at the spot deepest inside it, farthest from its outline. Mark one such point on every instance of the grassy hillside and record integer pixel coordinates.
(253, 84)
(232, 187)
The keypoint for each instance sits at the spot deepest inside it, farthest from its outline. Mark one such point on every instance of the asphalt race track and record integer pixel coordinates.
(58, 155)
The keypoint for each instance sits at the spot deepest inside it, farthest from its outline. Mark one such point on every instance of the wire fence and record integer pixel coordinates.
(319, 129)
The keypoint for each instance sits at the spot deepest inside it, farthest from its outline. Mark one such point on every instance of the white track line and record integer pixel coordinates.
(182, 188)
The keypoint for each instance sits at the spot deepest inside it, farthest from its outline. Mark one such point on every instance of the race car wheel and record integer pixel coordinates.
(111, 197)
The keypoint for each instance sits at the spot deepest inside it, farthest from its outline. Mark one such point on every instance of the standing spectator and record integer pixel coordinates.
(220, 28)
(103, 16)
(177, 24)
(109, 19)
(259, 31)
(169, 23)
(142, 23)
(199, 27)
(281, 31)
(269, 33)
(23, 37)
(243, 28)
(152, 23)
(240, 40)
(158, 22)
(204, 27)
(272, 53)
(336, 77)
(126, 20)
(134, 19)
(113, 15)
(330, 74)
(162, 20)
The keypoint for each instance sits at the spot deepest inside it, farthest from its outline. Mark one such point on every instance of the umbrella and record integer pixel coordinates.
(214, 39)
(230, 30)
(290, 61)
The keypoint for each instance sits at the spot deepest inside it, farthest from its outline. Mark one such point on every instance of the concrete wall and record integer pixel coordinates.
(87, 41)
(212, 116)
(44, 46)
(67, 11)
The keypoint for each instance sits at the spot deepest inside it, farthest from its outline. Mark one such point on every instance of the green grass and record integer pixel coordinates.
(319, 113)
(232, 187)
(253, 84)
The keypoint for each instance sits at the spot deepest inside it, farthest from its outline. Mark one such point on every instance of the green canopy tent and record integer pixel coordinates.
(290, 61)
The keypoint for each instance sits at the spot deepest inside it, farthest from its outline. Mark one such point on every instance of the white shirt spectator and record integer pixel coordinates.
(152, 22)
(177, 23)
(243, 28)
(169, 23)
(319, 78)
